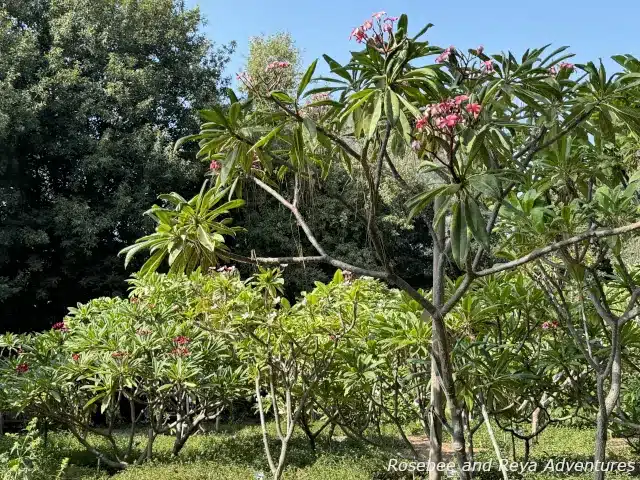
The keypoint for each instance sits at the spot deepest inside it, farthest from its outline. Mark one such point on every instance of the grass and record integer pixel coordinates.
(237, 453)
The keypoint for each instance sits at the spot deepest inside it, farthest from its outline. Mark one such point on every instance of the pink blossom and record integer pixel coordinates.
(277, 65)
(181, 352)
(22, 368)
(359, 34)
(391, 19)
(181, 340)
(567, 66)
(227, 269)
(552, 71)
(452, 120)
(60, 326)
(416, 145)
(444, 56)
(474, 108)
(378, 15)
(488, 66)
(421, 123)
(214, 165)
(75, 357)
(367, 25)
(546, 325)
(387, 27)
(460, 99)
(480, 49)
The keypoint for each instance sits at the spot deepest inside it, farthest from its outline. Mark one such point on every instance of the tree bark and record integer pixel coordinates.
(496, 447)
(437, 404)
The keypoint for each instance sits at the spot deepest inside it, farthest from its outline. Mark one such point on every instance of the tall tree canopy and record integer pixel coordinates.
(93, 93)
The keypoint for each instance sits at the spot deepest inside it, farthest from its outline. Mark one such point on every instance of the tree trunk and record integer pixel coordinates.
(602, 421)
(496, 447)
(466, 418)
(437, 404)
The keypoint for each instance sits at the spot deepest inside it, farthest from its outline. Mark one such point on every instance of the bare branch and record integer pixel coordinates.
(541, 252)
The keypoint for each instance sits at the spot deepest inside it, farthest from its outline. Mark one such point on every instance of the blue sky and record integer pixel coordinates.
(593, 28)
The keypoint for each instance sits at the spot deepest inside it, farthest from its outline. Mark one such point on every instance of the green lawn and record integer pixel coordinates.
(237, 454)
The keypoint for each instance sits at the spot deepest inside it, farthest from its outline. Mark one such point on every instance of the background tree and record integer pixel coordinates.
(92, 96)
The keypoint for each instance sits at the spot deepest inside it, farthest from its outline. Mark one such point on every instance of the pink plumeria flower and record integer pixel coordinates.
(367, 25)
(378, 15)
(421, 123)
(567, 66)
(460, 99)
(387, 27)
(488, 66)
(359, 34)
(443, 57)
(474, 108)
(452, 120)
(553, 71)
(480, 49)
(391, 19)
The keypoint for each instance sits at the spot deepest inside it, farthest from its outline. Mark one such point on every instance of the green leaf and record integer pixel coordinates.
(459, 240)
(419, 202)
(391, 106)
(476, 222)
(337, 68)
(234, 113)
(204, 239)
(228, 165)
(356, 104)
(423, 31)
(306, 78)
(153, 263)
(310, 126)
(214, 115)
(266, 139)
(282, 97)
(375, 117)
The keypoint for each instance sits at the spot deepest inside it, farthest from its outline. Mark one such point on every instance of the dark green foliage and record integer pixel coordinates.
(93, 93)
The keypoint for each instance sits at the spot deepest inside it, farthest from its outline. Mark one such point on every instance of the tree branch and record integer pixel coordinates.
(540, 252)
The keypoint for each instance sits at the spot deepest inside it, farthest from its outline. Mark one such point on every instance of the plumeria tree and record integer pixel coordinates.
(491, 132)
(145, 352)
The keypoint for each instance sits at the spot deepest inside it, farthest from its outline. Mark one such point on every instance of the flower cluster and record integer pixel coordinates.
(226, 269)
(181, 352)
(488, 66)
(22, 368)
(374, 29)
(75, 357)
(444, 116)
(276, 66)
(569, 67)
(181, 340)
(552, 325)
(215, 165)
(60, 326)
(444, 56)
